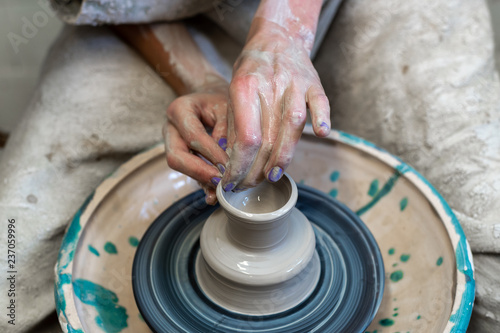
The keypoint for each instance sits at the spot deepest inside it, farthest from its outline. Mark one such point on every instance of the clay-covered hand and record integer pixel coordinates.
(273, 83)
(189, 147)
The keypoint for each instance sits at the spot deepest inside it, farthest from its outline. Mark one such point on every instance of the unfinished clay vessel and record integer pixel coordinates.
(258, 251)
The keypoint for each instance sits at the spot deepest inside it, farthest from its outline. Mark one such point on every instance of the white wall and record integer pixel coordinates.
(19, 68)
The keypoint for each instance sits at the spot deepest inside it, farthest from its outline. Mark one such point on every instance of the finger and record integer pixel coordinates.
(246, 113)
(219, 132)
(231, 137)
(186, 120)
(270, 120)
(292, 125)
(319, 106)
(210, 194)
(180, 159)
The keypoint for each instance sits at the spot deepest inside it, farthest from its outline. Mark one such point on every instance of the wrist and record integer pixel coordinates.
(264, 30)
(290, 17)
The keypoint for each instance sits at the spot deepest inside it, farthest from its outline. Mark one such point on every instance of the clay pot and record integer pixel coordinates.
(258, 252)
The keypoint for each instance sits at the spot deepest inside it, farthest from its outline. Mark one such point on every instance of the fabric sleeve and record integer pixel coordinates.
(97, 12)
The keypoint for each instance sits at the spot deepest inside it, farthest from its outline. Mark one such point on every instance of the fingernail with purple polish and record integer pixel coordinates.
(221, 168)
(215, 180)
(223, 143)
(325, 125)
(229, 187)
(275, 174)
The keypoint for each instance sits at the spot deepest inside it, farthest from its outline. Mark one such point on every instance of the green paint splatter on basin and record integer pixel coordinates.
(333, 193)
(395, 264)
(403, 203)
(386, 322)
(373, 188)
(439, 261)
(112, 317)
(395, 315)
(404, 257)
(133, 241)
(418, 317)
(392, 251)
(110, 248)
(396, 276)
(382, 193)
(140, 317)
(68, 245)
(334, 176)
(93, 250)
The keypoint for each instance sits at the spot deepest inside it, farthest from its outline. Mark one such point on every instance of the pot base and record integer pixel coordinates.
(257, 300)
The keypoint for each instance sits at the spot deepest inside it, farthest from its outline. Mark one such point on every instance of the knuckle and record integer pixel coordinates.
(245, 83)
(322, 100)
(173, 161)
(178, 105)
(295, 117)
(250, 140)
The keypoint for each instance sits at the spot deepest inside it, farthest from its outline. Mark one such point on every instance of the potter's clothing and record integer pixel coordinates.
(234, 16)
(416, 77)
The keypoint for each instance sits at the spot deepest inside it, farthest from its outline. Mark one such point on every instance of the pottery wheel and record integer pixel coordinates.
(345, 299)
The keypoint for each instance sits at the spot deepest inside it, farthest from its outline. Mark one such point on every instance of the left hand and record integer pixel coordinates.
(189, 148)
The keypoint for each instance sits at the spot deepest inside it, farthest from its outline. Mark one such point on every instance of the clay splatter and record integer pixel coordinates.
(111, 317)
(404, 257)
(334, 176)
(373, 188)
(396, 276)
(386, 322)
(333, 193)
(403, 203)
(93, 250)
(110, 248)
(133, 241)
(439, 261)
(392, 251)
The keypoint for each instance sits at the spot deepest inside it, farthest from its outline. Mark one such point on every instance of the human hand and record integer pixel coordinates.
(189, 148)
(273, 83)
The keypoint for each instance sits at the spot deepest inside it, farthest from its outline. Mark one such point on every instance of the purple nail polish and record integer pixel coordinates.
(275, 174)
(221, 168)
(223, 143)
(215, 180)
(323, 124)
(229, 187)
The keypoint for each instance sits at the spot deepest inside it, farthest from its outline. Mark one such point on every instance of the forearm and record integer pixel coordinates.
(173, 54)
(295, 18)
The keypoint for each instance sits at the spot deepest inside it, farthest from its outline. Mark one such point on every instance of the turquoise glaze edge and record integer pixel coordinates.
(65, 257)
(463, 256)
